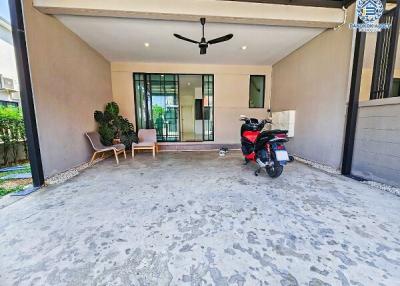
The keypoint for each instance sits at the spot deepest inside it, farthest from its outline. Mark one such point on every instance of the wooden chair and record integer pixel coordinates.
(147, 141)
(99, 148)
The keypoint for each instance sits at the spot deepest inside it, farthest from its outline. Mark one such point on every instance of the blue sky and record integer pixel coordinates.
(4, 13)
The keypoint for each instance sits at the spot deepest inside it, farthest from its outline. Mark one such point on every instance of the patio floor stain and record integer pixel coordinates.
(197, 219)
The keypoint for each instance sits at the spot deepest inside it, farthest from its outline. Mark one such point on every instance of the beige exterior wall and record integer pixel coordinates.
(314, 81)
(70, 80)
(365, 88)
(231, 85)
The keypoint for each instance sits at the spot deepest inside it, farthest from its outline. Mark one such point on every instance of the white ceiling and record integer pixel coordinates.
(120, 39)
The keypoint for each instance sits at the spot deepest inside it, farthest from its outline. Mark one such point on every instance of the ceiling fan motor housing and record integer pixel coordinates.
(203, 47)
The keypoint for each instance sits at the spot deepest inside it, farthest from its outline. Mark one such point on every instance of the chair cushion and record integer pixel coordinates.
(147, 135)
(142, 144)
(94, 139)
(119, 147)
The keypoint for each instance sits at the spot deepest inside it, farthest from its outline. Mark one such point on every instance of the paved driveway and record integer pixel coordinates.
(196, 219)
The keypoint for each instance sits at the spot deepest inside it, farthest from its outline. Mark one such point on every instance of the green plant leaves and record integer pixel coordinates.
(12, 132)
(112, 125)
(128, 138)
(106, 134)
(99, 117)
(113, 108)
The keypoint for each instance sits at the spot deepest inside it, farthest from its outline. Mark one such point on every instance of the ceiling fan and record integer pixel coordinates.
(203, 44)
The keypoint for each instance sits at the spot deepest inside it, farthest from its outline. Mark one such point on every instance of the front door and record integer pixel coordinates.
(191, 106)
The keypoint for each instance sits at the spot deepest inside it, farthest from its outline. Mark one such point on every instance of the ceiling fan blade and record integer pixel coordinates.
(221, 39)
(186, 39)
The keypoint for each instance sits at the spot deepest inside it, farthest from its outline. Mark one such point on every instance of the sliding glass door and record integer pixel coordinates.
(157, 105)
(165, 106)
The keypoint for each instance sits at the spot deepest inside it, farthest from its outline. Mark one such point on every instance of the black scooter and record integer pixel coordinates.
(266, 148)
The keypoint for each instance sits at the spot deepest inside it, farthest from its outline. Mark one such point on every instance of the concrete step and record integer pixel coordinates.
(194, 146)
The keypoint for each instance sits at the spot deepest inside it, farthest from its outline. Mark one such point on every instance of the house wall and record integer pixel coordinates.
(314, 81)
(231, 84)
(377, 143)
(70, 81)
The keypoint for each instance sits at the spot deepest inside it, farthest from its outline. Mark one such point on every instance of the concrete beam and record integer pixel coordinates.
(185, 10)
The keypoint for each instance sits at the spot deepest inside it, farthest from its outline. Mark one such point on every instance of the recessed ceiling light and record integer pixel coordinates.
(244, 48)
(189, 83)
(146, 45)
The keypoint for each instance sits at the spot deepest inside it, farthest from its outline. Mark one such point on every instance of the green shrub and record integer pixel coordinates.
(12, 132)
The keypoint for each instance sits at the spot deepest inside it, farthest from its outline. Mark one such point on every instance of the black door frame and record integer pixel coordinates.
(27, 102)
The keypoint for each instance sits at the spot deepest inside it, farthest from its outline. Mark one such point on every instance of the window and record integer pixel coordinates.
(257, 91)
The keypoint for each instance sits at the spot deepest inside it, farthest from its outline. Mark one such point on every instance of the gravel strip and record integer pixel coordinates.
(383, 187)
(330, 170)
(64, 176)
(318, 166)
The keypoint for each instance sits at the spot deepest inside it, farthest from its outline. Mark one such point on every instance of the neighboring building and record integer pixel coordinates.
(9, 89)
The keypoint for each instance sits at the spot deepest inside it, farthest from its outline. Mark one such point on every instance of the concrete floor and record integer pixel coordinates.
(197, 219)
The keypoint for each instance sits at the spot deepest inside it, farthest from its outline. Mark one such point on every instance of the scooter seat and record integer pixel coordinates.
(276, 131)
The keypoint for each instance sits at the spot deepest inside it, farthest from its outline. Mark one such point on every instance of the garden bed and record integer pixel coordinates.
(11, 185)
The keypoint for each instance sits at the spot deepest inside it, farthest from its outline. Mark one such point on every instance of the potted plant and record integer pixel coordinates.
(114, 128)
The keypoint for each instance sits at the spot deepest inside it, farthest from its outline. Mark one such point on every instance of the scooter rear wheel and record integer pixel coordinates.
(276, 169)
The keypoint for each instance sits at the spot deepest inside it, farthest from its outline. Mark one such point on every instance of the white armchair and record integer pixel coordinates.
(147, 141)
